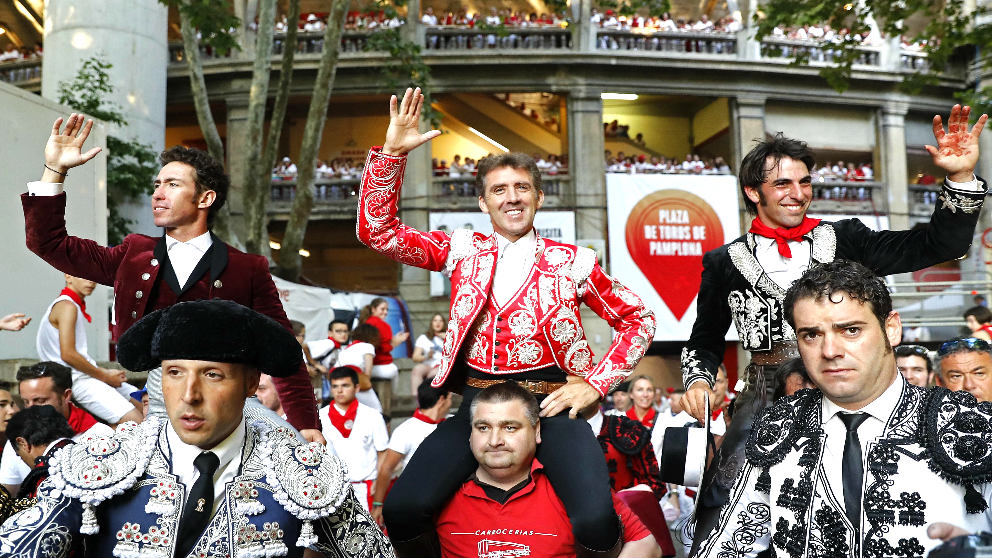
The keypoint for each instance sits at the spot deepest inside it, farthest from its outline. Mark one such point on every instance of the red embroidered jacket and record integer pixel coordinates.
(565, 276)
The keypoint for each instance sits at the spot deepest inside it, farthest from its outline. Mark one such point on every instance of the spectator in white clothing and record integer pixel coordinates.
(432, 407)
(62, 338)
(359, 354)
(427, 352)
(356, 432)
(313, 24)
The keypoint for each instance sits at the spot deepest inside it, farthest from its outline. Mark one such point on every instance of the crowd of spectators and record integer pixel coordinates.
(845, 172)
(665, 22)
(549, 121)
(642, 164)
(13, 53)
(495, 17)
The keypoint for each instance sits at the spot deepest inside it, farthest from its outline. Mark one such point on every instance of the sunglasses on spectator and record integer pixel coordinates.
(911, 350)
(971, 343)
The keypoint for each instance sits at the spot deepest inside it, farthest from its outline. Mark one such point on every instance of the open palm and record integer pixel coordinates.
(64, 148)
(957, 148)
(403, 134)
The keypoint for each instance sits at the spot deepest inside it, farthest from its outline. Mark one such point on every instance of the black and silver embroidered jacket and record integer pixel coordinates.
(933, 462)
(735, 288)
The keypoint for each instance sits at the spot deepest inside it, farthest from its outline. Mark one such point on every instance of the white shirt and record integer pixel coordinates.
(437, 344)
(47, 343)
(185, 255)
(784, 271)
(407, 437)
(514, 261)
(878, 412)
(228, 452)
(354, 355)
(360, 450)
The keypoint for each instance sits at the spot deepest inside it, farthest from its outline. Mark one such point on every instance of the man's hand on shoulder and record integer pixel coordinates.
(403, 134)
(576, 395)
(313, 435)
(694, 400)
(64, 148)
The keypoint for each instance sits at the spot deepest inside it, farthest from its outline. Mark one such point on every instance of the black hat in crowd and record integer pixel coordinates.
(211, 330)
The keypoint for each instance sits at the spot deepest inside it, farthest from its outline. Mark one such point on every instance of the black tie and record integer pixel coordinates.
(852, 470)
(199, 505)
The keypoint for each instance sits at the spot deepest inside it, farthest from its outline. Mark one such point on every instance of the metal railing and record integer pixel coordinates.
(21, 72)
(922, 199)
(506, 38)
(817, 51)
(848, 197)
(677, 42)
(327, 190)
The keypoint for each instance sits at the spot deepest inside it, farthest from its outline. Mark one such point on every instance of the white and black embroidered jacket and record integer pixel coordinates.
(734, 286)
(118, 497)
(933, 462)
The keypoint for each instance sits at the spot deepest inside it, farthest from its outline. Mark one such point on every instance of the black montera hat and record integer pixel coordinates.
(211, 330)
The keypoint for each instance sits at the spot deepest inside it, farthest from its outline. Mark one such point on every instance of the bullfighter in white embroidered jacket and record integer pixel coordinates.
(211, 480)
(862, 466)
(744, 282)
(514, 316)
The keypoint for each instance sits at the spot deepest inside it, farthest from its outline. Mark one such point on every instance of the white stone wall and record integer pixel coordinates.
(27, 284)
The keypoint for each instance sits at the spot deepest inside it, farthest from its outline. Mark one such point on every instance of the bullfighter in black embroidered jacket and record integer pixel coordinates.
(863, 465)
(745, 280)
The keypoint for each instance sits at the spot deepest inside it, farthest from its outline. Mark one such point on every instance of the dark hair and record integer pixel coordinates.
(915, 350)
(330, 326)
(504, 392)
(982, 314)
(429, 334)
(852, 278)
(298, 327)
(367, 333)
(786, 369)
(344, 372)
(514, 160)
(60, 374)
(428, 395)
(366, 311)
(39, 425)
(208, 174)
(754, 167)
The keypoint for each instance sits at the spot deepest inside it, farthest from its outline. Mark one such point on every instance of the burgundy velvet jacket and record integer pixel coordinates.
(133, 268)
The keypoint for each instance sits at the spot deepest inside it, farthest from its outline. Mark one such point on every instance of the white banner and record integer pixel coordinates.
(554, 225)
(659, 228)
(310, 305)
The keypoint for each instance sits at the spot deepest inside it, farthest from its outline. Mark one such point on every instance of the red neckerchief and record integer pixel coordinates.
(718, 410)
(344, 423)
(781, 235)
(79, 302)
(421, 416)
(648, 419)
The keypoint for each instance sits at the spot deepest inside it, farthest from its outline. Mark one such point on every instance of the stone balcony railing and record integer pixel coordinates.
(22, 73)
(455, 41)
(859, 198)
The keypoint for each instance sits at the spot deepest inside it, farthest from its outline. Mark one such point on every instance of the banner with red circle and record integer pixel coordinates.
(660, 228)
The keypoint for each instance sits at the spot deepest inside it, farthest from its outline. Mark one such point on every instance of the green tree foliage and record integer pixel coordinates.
(131, 165)
(944, 26)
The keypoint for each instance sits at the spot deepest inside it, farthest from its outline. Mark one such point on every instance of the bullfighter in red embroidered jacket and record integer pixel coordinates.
(187, 263)
(514, 316)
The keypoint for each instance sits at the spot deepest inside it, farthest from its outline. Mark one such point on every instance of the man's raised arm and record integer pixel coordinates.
(378, 226)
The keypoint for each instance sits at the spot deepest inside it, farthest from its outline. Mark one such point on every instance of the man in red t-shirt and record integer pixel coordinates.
(508, 507)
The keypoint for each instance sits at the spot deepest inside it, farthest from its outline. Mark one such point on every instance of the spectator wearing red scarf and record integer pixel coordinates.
(642, 394)
(383, 369)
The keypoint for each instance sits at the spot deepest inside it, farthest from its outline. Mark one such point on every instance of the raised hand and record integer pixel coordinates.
(64, 148)
(957, 148)
(403, 134)
(14, 322)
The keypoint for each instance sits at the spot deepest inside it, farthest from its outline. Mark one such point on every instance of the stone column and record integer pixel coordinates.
(894, 174)
(415, 286)
(584, 36)
(237, 122)
(747, 119)
(586, 164)
(130, 35)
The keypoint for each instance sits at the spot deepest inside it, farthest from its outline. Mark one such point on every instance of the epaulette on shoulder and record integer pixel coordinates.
(778, 427)
(957, 433)
(98, 468)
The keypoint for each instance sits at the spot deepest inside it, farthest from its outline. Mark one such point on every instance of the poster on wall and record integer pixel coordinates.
(555, 225)
(660, 226)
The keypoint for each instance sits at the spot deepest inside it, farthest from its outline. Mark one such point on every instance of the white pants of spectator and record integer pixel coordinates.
(368, 397)
(100, 398)
(254, 410)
